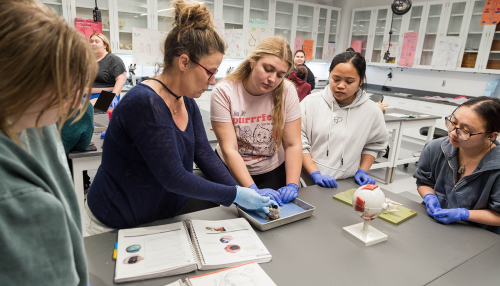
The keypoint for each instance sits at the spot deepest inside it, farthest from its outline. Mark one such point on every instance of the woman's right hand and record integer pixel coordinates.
(272, 194)
(251, 200)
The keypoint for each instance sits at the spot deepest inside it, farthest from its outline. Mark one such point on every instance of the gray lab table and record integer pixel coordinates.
(315, 251)
(480, 270)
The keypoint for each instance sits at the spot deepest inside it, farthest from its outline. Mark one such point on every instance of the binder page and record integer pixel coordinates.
(250, 274)
(152, 249)
(228, 241)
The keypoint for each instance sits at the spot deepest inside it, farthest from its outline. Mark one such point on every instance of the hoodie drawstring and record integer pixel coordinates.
(345, 137)
(329, 132)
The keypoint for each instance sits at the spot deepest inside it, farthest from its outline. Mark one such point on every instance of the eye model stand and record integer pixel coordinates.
(369, 202)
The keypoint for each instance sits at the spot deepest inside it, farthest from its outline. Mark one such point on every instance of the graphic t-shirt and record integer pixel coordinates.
(252, 118)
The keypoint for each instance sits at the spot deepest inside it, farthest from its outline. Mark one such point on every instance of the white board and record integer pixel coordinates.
(146, 46)
(257, 31)
(446, 53)
(234, 43)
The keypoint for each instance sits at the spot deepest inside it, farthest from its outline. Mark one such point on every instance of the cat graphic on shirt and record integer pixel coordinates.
(256, 145)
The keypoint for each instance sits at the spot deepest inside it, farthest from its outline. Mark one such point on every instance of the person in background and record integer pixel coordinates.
(76, 135)
(255, 115)
(459, 176)
(42, 79)
(343, 131)
(298, 76)
(157, 132)
(299, 59)
(112, 74)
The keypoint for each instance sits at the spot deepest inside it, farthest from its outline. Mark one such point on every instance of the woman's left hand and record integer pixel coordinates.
(362, 178)
(289, 192)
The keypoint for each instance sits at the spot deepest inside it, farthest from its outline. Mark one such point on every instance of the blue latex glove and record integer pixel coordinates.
(448, 216)
(325, 181)
(289, 193)
(362, 178)
(250, 200)
(272, 194)
(432, 204)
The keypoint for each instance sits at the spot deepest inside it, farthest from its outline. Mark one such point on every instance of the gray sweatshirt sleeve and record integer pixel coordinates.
(378, 138)
(306, 147)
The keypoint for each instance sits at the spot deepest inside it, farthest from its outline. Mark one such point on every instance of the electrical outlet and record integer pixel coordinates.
(444, 83)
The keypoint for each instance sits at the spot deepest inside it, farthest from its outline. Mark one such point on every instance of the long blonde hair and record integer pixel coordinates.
(104, 40)
(33, 64)
(276, 46)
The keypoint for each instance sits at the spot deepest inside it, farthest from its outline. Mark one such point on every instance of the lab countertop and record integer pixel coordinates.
(315, 250)
(416, 94)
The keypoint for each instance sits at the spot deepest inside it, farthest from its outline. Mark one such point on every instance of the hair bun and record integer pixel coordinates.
(350, 50)
(191, 16)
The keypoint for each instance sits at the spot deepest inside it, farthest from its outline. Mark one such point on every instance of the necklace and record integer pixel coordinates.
(462, 168)
(175, 95)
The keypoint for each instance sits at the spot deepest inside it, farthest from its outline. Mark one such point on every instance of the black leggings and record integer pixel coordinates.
(274, 179)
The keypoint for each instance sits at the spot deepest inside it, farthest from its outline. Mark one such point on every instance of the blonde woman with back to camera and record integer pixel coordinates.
(255, 114)
(156, 132)
(42, 79)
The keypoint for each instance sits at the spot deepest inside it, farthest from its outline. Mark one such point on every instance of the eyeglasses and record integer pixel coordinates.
(462, 133)
(212, 74)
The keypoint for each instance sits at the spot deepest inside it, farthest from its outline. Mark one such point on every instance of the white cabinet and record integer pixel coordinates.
(432, 27)
(283, 20)
(233, 13)
(60, 6)
(360, 28)
(83, 9)
(480, 51)
(127, 15)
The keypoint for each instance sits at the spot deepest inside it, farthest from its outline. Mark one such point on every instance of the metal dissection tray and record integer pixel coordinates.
(308, 211)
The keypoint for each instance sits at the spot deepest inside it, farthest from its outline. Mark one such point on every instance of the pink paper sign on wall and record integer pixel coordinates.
(408, 50)
(356, 45)
(297, 45)
(87, 27)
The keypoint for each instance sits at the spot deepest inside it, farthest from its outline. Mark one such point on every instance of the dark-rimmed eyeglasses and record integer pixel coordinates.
(462, 133)
(212, 74)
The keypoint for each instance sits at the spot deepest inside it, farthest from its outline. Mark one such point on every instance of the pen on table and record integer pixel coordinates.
(114, 251)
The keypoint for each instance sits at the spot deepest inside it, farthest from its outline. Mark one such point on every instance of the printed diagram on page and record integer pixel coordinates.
(232, 241)
(245, 275)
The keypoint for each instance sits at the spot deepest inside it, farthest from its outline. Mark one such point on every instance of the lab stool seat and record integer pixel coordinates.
(438, 132)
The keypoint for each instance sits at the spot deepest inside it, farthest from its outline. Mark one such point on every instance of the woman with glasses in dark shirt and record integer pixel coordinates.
(459, 176)
(156, 133)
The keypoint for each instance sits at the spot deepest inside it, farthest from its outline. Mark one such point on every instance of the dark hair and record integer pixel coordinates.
(301, 72)
(299, 51)
(356, 59)
(350, 50)
(488, 109)
(194, 33)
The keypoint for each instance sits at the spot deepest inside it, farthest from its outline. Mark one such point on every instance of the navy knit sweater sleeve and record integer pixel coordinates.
(205, 157)
(147, 164)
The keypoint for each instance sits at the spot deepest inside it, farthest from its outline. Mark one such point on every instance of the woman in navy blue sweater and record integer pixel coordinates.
(156, 133)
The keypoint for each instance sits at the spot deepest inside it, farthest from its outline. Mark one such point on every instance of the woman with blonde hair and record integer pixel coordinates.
(256, 115)
(157, 132)
(42, 80)
(112, 73)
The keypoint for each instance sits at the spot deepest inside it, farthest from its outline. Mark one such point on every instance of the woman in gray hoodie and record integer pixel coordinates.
(343, 132)
(459, 176)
